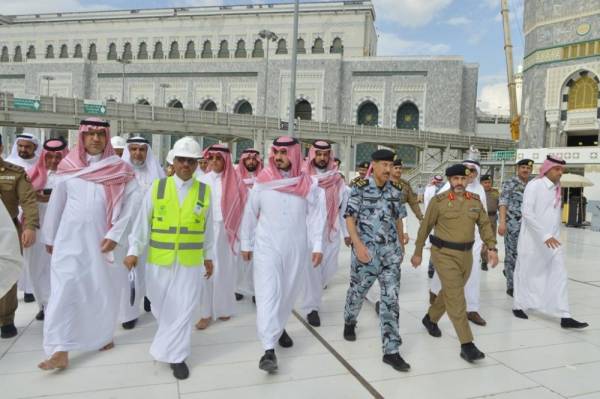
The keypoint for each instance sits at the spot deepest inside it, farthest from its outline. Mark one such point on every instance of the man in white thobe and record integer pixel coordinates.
(321, 166)
(118, 143)
(88, 212)
(139, 155)
(540, 275)
(229, 194)
(285, 210)
(11, 260)
(174, 284)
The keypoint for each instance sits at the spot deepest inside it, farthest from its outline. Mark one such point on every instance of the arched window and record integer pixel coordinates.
(206, 50)
(112, 52)
(208, 105)
(583, 94)
(175, 103)
(223, 49)
(92, 54)
(317, 47)
(174, 51)
(50, 51)
(31, 52)
(243, 107)
(4, 56)
(158, 51)
(127, 55)
(142, 51)
(367, 114)
(303, 110)
(142, 101)
(64, 51)
(240, 50)
(190, 50)
(301, 48)
(281, 47)
(258, 51)
(18, 55)
(78, 53)
(407, 117)
(336, 46)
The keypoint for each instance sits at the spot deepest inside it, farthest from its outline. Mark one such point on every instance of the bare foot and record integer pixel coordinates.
(203, 324)
(224, 318)
(108, 346)
(59, 360)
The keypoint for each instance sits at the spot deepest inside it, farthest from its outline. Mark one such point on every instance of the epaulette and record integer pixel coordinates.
(474, 196)
(397, 186)
(13, 167)
(441, 196)
(360, 183)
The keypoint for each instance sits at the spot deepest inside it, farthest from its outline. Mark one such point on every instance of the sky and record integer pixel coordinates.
(468, 28)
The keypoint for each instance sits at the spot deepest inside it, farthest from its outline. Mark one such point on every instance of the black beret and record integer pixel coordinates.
(383, 155)
(485, 178)
(457, 170)
(525, 161)
(397, 162)
(364, 165)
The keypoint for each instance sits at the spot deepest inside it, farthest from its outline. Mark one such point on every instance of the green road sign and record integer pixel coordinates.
(27, 104)
(96, 108)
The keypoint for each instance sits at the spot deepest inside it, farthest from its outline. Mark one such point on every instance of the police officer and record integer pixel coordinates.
(362, 169)
(15, 191)
(374, 219)
(492, 195)
(409, 195)
(509, 222)
(453, 215)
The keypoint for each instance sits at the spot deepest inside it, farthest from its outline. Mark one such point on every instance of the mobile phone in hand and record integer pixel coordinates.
(47, 191)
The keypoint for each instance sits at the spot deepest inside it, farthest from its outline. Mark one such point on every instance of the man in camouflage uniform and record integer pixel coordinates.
(362, 169)
(374, 219)
(492, 197)
(509, 223)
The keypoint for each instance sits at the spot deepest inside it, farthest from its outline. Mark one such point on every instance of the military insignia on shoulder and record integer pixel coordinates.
(27, 179)
(396, 185)
(13, 167)
(475, 196)
(360, 183)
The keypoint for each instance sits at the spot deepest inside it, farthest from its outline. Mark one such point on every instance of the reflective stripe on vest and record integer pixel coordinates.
(177, 231)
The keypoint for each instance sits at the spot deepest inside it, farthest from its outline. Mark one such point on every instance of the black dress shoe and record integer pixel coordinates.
(396, 361)
(180, 370)
(147, 306)
(377, 307)
(268, 362)
(128, 325)
(8, 331)
(520, 314)
(572, 323)
(509, 292)
(470, 353)
(349, 333)
(28, 298)
(238, 297)
(314, 319)
(432, 328)
(285, 341)
(40, 315)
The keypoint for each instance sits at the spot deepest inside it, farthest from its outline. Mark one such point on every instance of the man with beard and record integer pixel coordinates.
(43, 179)
(283, 222)
(453, 215)
(248, 168)
(374, 219)
(202, 167)
(88, 213)
(228, 197)
(139, 155)
(321, 166)
(432, 189)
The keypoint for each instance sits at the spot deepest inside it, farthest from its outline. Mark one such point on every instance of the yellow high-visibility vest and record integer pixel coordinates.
(177, 232)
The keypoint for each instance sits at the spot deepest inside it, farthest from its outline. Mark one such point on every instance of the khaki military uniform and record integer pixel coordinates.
(453, 217)
(15, 191)
(411, 198)
(492, 198)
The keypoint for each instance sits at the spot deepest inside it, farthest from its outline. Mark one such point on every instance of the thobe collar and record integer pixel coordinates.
(92, 158)
(548, 183)
(285, 173)
(181, 183)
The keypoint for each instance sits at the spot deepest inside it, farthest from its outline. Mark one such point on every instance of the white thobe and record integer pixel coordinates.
(11, 261)
(37, 258)
(173, 290)
(218, 292)
(319, 277)
(472, 289)
(245, 281)
(277, 227)
(540, 273)
(84, 301)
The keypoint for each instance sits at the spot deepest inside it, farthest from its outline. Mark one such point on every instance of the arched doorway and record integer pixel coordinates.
(580, 110)
(367, 114)
(142, 101)
(175, 103)
(303, 110)
(407, 117)
(243, 107)
(208, 105)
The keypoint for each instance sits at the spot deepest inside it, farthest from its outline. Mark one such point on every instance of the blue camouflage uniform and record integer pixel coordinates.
(512, 198)
(376, 211)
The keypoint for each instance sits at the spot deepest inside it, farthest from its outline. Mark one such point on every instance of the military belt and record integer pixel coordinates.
(459, 246)
(492, 213)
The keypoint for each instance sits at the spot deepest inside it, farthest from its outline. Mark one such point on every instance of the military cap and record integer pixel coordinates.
(525, 161)
(397, 162)
(457, 170)
(383, 155)
(485, 178)
(364, 165)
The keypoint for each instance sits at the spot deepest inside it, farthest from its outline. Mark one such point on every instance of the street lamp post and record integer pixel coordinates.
(294, 60)
(268, 36)
(161, 149)
(48, 79)
(123, 62)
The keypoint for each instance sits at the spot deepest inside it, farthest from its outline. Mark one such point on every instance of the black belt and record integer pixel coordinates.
(492, 213)
(438, 242)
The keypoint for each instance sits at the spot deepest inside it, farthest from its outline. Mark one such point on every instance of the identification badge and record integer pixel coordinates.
(198, 208)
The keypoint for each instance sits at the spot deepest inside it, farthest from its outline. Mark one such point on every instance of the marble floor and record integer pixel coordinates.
(533, 359)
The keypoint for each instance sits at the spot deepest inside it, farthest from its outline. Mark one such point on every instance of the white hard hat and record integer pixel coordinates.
(187, 147)
(118, 142)
(170, 157)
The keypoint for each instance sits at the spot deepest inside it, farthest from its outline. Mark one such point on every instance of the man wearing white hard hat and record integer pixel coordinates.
(171, 225)
(118, 143)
